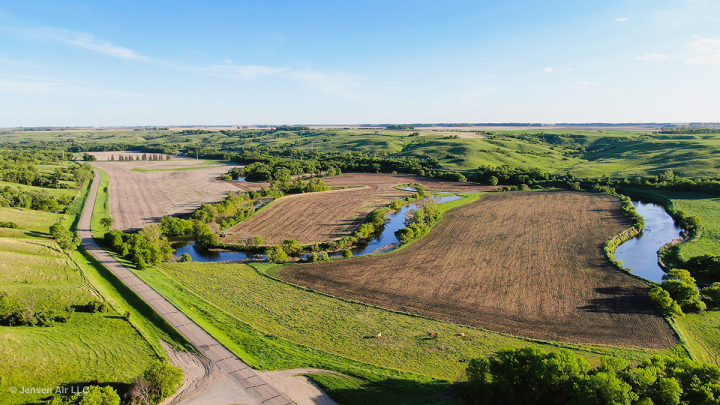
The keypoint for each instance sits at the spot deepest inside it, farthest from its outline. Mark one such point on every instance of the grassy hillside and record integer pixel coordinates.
(586, 153)
(35, 273)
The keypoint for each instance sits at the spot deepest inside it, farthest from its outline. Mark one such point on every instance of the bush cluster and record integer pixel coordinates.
(531, 376)
(15, 313)
(148, 247)
(422, 220)
(677, 293)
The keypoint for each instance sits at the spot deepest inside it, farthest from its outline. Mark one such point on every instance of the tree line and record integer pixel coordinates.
(264, 167)
(688, 130)
(531, 376)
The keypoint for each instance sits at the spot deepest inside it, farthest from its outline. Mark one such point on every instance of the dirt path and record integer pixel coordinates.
(299, 388)
(204, 382)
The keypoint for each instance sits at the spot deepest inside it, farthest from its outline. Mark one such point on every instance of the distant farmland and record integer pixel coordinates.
(177, 186)
(529, 264)
(315, 217)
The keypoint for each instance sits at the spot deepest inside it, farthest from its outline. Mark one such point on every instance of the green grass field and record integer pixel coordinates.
(30, 223)
(55, 192)
(334, 325)
(101, 346)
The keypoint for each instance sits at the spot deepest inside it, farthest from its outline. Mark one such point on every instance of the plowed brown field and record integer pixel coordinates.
(529, 264)
(368, 179)
(314, 217)
(139, 199)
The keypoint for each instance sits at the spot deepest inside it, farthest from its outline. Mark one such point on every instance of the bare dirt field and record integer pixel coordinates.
(530, 264)
(138, 199)
(314, 217)
(372, 179)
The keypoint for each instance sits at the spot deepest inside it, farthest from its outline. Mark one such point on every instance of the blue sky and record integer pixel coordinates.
(102, 63)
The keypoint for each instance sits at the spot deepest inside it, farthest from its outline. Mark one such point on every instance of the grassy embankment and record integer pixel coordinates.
(102, 203)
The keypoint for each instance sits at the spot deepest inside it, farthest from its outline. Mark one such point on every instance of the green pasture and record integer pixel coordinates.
(102, 346)
(55, 192)
(225, 296)
(30, 223)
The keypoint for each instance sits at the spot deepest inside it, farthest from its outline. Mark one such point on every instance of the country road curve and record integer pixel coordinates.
(239, 372)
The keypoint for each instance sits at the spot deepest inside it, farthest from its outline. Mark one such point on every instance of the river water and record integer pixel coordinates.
(640, 253)
(382, 242)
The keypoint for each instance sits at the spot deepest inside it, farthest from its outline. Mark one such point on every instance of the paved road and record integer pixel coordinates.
(243, 375)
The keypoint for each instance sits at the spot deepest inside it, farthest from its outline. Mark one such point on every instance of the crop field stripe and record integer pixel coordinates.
(336, 325)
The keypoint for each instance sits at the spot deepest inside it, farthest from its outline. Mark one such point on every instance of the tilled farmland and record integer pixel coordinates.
(314, 217)
(528, 264)
(138, 199)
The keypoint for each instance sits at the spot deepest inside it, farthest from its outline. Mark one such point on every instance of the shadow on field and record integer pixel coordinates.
(621, 300)
(37, 234)
(355, 391)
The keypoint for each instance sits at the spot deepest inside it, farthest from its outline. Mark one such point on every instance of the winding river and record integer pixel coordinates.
(640, 253)
(383, 242)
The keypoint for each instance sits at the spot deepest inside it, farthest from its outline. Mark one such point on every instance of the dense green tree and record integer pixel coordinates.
(276, 254)
(712, 292)
(93, 395)
(107, 222)
(66, 239)
(531, 376)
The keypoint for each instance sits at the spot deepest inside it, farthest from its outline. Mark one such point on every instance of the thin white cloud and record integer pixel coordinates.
(584, 85)
(707, 46)
(246, 72)
(621, 19)
(547, 69)
(18, 63)
(50, 86)
(652, 56)
(81, 40)
(335, 83)
(569, 69)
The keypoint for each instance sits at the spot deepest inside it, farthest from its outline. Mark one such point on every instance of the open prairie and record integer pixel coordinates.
(315, 217)
(156, 188)
(529, 264)
(372, 179)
